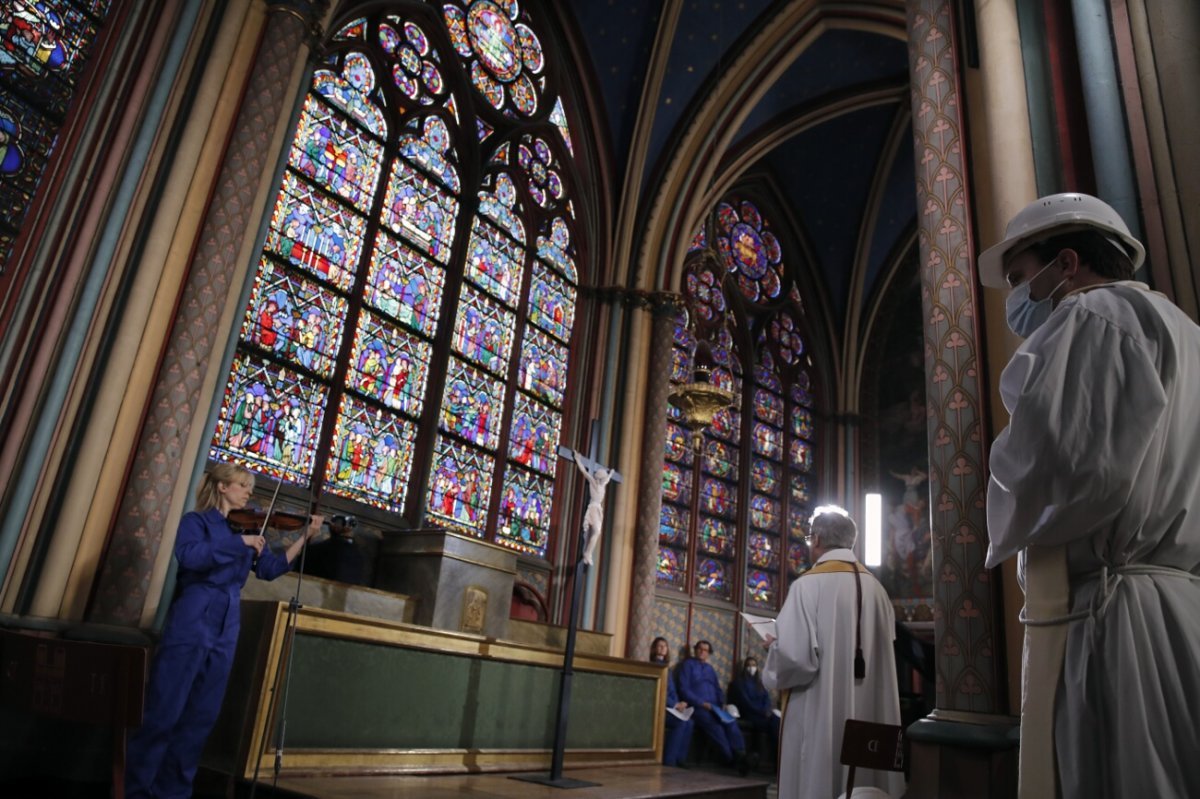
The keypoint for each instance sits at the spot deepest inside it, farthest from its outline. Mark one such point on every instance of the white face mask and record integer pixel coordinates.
(752, 670)
(1025, 315)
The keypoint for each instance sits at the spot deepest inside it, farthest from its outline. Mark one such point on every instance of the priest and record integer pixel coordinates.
(832, 661)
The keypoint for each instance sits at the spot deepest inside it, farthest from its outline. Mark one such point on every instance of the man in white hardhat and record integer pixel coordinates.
(1093, 484)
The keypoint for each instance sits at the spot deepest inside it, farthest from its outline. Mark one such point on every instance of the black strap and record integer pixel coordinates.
(860, 663)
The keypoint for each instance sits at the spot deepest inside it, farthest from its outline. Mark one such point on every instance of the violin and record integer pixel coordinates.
(253, 519)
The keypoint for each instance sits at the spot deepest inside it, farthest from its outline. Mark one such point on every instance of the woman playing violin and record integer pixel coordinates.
(194, 657)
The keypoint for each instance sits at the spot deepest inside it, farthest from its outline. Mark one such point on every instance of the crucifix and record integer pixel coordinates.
(598, 477)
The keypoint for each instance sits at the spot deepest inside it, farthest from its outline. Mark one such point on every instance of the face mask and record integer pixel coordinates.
(1025, 315)
(752, 670)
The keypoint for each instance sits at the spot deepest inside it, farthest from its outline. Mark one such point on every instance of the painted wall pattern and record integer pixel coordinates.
(125, 574)
(670, 621)
(718, 628)
(969, 676)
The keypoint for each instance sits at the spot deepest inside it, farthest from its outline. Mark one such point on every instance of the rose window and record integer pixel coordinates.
(710, 302)
(415, 69)
(783, 331)
(503, 55)
(544, 183)
(751, 252)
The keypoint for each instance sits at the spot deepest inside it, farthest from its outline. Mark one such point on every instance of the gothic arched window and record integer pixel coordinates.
(406, 341)
(43, 44)
(733, 515)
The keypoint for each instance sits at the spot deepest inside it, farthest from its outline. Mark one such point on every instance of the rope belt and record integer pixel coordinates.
(1110, 577)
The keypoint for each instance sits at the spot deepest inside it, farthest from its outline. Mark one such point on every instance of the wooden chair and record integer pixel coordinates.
(866, 744)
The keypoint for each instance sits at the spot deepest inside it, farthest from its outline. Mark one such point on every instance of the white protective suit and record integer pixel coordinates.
(1100, 455)
(813, 659)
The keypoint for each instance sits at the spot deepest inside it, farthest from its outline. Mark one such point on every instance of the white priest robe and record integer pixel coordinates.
(813, 662)
(1100, 458)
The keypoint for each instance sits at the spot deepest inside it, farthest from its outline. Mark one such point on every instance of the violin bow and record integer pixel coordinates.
(270, 509)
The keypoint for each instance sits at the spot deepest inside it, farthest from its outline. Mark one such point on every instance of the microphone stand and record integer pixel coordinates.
(283, 666)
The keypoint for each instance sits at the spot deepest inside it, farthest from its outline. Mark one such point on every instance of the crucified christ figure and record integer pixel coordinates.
(593, 516)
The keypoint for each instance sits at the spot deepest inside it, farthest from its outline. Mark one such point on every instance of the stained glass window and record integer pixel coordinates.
(503, 55)
(43, 46)
(763, 551)
(710, 475)
(371, 454)
(768, 436)
(761, 448)
(524, 521)
(760, 587)
(672, 568)
(799, 469)
(400, 315)
(534, 439)
(271, 416)
(716, 537)
(749, 250)
(460, 486)
(712, 579)
(673, 527)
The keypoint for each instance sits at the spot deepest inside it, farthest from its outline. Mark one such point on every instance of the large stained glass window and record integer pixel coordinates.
(43, 45)
(744, 320)
(407, 340)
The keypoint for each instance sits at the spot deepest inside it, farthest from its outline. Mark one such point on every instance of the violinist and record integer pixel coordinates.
(193, 660)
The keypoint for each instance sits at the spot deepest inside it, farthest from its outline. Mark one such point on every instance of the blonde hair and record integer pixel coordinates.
(207, 494)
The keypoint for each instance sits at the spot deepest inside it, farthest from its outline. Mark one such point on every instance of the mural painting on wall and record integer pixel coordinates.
(903, 461)
(909, 565)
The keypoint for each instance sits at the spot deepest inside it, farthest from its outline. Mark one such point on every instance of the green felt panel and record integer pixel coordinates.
(362, 695)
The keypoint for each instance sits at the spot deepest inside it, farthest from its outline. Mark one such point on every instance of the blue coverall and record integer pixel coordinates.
(194, 657)
(754, 703)
(679, 732)
(697, 685)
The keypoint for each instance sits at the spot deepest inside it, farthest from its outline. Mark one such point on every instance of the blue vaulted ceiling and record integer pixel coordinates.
(833, 175)
(828, 194)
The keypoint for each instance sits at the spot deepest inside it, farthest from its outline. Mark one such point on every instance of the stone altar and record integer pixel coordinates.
(460, 583)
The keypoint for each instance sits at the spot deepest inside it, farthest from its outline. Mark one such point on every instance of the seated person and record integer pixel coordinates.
(753, 702)
(699, 687)
(338, 557)
(678, 731)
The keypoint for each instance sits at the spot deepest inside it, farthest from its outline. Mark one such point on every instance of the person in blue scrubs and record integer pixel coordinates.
(194, 657)
(754, 704)
(678, 731)
(699, 687)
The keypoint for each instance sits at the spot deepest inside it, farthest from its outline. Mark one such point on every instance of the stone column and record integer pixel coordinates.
(965, 735)
(160, 459)
(649, 491)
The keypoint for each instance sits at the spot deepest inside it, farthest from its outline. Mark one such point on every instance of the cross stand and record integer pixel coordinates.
(555, 779)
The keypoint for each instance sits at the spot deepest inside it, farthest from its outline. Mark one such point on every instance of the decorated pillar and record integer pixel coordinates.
(971, 684)
(665, 311)
(968, 669)
(162, 460)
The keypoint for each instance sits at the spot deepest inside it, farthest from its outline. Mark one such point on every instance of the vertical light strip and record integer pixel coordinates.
(873, 550)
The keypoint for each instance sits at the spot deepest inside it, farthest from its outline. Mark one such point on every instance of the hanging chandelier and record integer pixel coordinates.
(700, 400)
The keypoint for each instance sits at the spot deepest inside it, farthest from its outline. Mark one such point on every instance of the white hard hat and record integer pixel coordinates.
(1050, 216)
